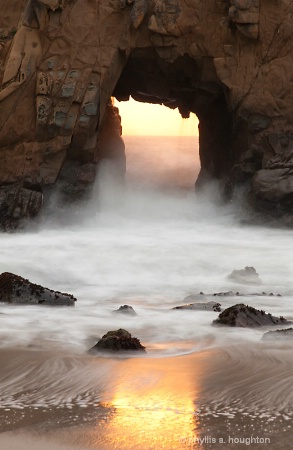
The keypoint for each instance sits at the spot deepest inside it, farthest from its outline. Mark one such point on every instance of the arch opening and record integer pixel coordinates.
(192, 86)
(161, 147)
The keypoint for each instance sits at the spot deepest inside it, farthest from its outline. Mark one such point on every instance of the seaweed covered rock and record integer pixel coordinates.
(201, 306)
(247, 317)
(279, 335)
(117, 341)
(248, 275)
(17, 290)
(125, 309)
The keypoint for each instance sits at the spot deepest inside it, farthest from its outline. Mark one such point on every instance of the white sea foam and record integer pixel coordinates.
(149, 248)
(146, 244)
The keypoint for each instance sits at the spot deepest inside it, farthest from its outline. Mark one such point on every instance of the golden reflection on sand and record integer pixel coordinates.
(153, 405)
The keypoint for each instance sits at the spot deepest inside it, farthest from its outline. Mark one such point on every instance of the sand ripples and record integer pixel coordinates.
(242, 379)
(39, 379)
(249, 380)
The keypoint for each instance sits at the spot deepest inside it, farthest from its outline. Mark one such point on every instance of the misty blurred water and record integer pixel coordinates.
(148, 244)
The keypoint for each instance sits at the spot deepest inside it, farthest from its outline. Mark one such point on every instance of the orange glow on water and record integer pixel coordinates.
(153, 406)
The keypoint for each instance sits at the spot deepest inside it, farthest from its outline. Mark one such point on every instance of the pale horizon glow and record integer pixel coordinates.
(145, 119)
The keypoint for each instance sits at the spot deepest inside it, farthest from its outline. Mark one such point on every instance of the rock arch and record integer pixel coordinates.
(228, 61)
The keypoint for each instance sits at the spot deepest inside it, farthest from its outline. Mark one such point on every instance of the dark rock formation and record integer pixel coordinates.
(126, 309)
(279, 335)
(230, 294)
(117, 341)
(17, 290)
(247, 317)
(245, 276)
(201, 306)
(228, 61)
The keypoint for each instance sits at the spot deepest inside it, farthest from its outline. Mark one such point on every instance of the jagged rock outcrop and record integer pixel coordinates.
(228, 61)
(247, 317)
(117, 341)
(17, 290)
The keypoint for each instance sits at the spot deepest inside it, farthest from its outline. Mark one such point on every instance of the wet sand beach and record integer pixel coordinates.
(224, 398)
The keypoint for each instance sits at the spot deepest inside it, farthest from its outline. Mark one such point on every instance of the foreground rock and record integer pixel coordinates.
(17, 290)
(246, 276)
(117, 341)
(125, 309)
(203, 306)
(279, 335)
(247, 317)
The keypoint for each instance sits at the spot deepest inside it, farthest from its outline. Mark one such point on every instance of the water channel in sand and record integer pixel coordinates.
(198, 386)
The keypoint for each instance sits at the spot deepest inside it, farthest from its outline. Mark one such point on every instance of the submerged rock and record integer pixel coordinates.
(246, 276)
(116, 341)
(201, 306)
(126, 309)
(17, 290)
(279, 335)
(247, 317)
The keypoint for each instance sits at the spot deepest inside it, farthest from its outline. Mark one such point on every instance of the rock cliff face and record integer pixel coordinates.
(228, 61)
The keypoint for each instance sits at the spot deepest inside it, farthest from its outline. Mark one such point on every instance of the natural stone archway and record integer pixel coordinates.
(228, 61)
(192, 86)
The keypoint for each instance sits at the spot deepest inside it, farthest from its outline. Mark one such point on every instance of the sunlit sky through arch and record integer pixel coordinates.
(161, 147)
(145, 119)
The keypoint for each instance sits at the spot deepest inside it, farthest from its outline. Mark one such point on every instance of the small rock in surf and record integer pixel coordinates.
(126, 309)
(247, 317)
(117, 341)
(279, 335)
(201, 306)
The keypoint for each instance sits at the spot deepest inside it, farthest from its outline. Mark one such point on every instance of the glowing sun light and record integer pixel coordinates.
(154, 120)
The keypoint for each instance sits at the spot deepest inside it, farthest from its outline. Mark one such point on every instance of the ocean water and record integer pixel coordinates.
(149, 244)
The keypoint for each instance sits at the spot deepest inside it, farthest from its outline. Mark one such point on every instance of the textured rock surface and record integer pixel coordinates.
(228, 61)
(117, 341)
(18, 290)
(18, 204)
(201, 306)
(247, 317)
